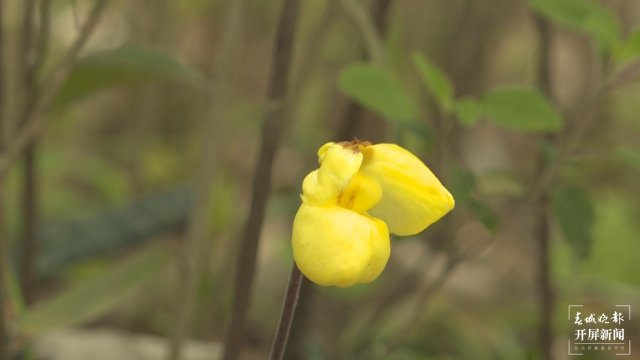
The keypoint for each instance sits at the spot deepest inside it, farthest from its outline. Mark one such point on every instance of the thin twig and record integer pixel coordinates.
(34, 119)
(351, 337)
(25, 89)
(454, 258)
(190, 257)
(21, 68)
(3, 129)
(271, 133)
(25, 52)
(2, 79)
(541, 227)
(583, 116)
(4, 326)
(287, 313)
(539, 195)
(374, 25)
(30, 214)
(367, 29)
(42, 41)
(424, 298)
(308, 58)
(30, 220)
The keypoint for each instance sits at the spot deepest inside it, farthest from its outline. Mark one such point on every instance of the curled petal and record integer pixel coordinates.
(339, 247)
(337, 166)
(412, 197)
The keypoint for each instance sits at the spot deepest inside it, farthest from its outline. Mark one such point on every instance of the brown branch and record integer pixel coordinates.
(583, 116)
(353, 114)
(379, 11)
(271, 133)
(30, 220)
(30, 212)
(287, 313)
(2, 83)
(34, 119)
(454, 258)
(541, 227)
(4, 242)
(423, 301)
(368, 31)
(42, 43)
(24, 51)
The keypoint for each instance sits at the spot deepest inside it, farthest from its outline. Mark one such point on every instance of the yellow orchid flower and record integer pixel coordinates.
(360, 193)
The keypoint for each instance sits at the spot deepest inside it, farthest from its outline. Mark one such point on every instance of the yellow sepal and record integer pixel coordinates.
(412, 197)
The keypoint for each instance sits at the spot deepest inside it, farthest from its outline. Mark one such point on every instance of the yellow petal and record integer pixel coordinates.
(412, 197)
(338, 247)
(361, 194)
(338, 165)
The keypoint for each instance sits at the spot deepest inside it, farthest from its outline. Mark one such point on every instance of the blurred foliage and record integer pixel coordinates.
(91, 297)
(588, 16)
(575, 215)
(111, 231)
(124, 66)
(436, 81)
(377, 89)
(521, 110)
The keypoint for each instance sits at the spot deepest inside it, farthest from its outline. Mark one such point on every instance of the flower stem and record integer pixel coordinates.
(287, 313)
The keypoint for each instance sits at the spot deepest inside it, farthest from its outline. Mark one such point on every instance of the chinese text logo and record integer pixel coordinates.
(599, 330)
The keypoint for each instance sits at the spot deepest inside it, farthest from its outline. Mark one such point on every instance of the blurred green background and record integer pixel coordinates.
(526, 110)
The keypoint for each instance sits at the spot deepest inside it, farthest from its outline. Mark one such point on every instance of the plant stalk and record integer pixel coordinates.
(287, 313)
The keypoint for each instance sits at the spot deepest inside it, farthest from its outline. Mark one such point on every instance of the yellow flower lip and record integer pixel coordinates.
(359, 194)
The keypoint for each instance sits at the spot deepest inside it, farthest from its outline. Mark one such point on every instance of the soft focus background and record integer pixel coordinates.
(123, 217)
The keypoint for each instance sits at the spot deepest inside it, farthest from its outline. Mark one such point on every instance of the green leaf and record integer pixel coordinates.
(93, 297)
(588, 16)
(376, 89)
(630, 47)
(468, 111)
(575, 215)
(125, 66)
(521, 109)
(435, 80)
